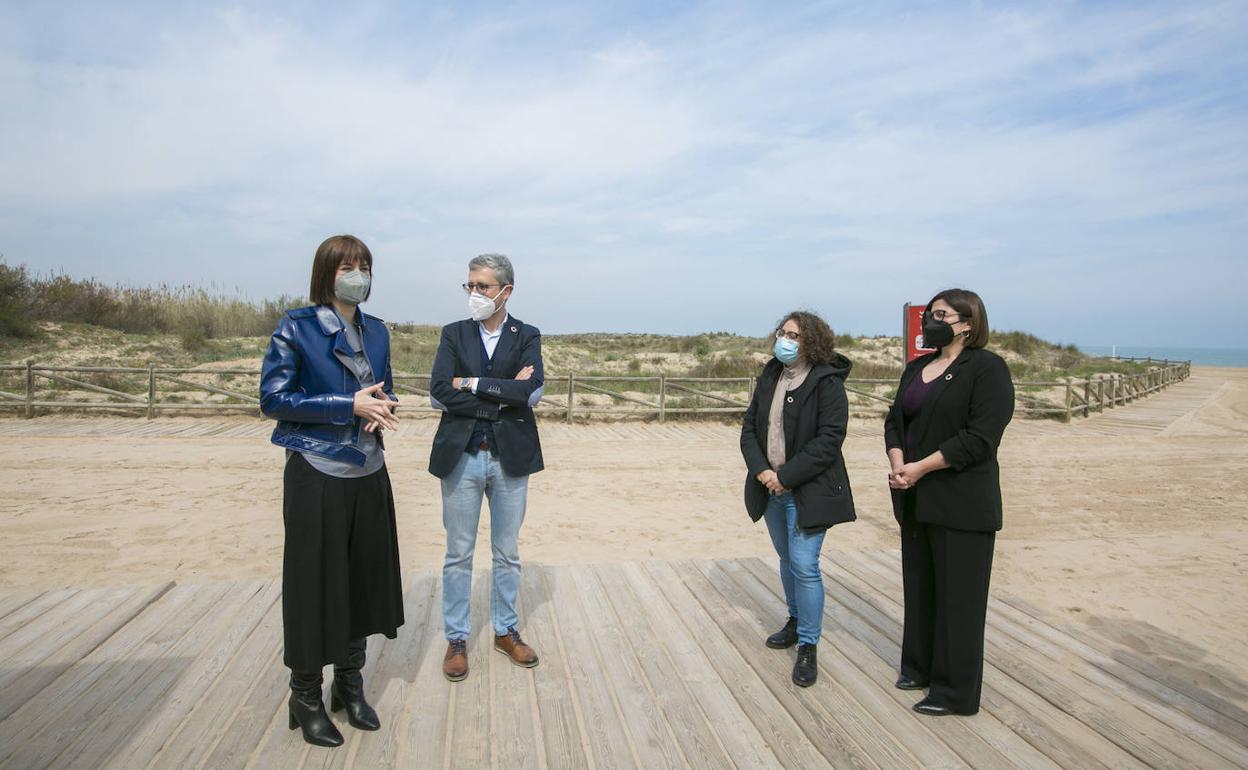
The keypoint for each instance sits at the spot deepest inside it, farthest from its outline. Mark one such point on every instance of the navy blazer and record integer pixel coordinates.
(964, 416)
(502, 399)
(309, 392)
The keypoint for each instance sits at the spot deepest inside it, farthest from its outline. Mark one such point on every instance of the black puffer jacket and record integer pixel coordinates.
(815, 418)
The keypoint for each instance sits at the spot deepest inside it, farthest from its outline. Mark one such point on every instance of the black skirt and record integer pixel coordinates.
(340, 569)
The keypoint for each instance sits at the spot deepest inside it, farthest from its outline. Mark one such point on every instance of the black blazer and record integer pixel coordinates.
(815, 418)
(963, 416)
(500, 398)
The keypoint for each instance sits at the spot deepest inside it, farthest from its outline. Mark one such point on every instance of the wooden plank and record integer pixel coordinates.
(43, 633)
(141, 697)
(1226, 718)
(515, 736)
(12, 602)
(556, 711)
(785, 737)
(864, 740)
(1178, 731)
(30, 611)
(19, 683)
(282, 747)
(43, 726)
(1118, 719)
(468, 741)
(426, 705)
(214, 710)
(819, 727)
(610, 745)
(653, 637)
(651, 732)
(745, 745)
(197, 683)
(903, 724)
(979, 742)
(260, 712)
(1068, 741)
(390, 679)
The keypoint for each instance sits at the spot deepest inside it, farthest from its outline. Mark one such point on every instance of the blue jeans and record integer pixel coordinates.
(799, 566)
(476, 476)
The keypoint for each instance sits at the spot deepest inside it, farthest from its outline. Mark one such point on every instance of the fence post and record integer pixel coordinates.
(1068, 399)
(30, 389)
(662, 397)
(1100, 393)
(151, 390)
(571, 385)
(1087, 397)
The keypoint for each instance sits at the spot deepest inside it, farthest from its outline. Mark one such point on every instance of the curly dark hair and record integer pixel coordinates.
(818, 343)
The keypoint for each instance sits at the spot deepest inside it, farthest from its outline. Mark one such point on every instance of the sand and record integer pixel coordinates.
(1141, 537)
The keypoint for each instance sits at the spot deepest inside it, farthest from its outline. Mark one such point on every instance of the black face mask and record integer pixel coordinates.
(937, 334)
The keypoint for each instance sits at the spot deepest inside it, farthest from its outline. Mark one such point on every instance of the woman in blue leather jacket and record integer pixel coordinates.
(326, 380)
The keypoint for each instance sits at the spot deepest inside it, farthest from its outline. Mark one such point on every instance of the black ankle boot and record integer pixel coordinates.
(308, 712)
(806, 669)
(348, 689)
(785, 637)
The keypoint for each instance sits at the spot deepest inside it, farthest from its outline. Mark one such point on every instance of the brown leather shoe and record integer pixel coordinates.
(455, 664)
(511, 645)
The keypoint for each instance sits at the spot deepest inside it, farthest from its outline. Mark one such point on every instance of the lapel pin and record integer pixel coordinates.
(948, 377)
(789, 399)
(513, 330)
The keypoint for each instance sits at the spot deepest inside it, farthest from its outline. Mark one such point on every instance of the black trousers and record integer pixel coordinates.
(945, 574)
(340, 567)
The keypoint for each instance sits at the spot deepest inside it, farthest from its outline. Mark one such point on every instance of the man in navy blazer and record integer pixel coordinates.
(487, 377)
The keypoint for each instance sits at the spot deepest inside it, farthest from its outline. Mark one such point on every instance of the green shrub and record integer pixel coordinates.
(192, 313)
(15, 303)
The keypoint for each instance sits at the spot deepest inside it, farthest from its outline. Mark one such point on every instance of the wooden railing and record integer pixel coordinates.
(154, 390)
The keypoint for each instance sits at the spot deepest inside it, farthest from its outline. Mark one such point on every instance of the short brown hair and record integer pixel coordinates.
(818, 343)
(335, 250)
(971, 309)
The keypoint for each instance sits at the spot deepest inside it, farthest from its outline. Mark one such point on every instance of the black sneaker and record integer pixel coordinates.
(806, 669)
(785, 637)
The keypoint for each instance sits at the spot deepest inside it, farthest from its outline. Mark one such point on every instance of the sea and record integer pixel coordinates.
(1198, 356)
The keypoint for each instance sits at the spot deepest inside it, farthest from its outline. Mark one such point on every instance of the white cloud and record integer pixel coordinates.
(952, 141)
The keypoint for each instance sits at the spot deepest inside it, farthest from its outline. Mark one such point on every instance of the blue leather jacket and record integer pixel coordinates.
(309, 392)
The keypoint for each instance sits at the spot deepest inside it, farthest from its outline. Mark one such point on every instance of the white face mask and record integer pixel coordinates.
(352, 287)
(481, 307)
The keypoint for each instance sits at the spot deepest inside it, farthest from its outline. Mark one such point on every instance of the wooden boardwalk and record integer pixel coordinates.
(648, 665)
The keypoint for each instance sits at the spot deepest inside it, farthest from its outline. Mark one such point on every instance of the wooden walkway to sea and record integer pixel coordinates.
(647, 665)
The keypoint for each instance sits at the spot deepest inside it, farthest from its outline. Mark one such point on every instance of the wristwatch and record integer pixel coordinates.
(465, 383)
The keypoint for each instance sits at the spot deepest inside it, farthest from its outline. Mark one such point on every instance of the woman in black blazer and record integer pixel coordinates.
(791, 440)
(942, 434)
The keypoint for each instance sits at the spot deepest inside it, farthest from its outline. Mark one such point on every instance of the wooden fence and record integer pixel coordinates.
(154, 390)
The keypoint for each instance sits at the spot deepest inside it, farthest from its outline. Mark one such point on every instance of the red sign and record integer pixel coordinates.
(912, 331)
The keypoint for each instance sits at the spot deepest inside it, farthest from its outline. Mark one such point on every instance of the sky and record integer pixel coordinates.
(649, 167)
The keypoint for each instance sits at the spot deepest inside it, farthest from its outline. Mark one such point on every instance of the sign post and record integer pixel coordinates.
(912, 331)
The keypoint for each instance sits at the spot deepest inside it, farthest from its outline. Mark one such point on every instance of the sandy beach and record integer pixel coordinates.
(1139, 535)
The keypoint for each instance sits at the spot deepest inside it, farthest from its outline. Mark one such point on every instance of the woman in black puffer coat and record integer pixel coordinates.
(791, 440)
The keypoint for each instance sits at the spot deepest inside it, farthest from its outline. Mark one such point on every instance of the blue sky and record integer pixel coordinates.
(649, 167)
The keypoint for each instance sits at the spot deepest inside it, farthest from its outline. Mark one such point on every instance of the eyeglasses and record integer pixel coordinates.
(793, 336)
(470, 287)
(941, 314)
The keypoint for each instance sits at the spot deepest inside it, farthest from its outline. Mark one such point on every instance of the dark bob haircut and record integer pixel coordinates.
(818, 344)
(335, 251)
(970, 308)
